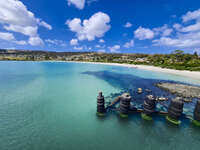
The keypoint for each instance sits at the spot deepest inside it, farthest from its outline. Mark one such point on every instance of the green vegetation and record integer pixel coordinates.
(173, 121)
(176, 60)
(196, 123)
(100, 114)
(146, 117)
(123, 115)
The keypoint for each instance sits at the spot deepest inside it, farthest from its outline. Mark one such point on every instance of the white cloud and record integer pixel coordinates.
(56, 42)
(14, 16)
(191, 15)
(143, 33)
(6, 36)
(44, 24)
(128, 25)
(74, 42)
(89, 2)
(129, 44)
(177, 26)
(78, 48)
(22, 42)
(35, 41)
(187, 36)
(180, 41)
(101, 51)
(96, 26)
(78, 3)
(191, 28)
(26, 30)
(10, 37)
(164, 30)
(101, 41)
(98, 46)
(114, 49)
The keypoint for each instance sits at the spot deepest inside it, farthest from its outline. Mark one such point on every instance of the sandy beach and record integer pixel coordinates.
(186, 73)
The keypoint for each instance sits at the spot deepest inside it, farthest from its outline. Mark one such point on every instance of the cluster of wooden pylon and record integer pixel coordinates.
(175, 109)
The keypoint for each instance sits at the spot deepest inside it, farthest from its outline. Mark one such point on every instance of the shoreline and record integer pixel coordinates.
(185, 73)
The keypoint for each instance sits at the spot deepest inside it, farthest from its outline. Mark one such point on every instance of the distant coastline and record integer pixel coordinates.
(177, 63)
(186, 73)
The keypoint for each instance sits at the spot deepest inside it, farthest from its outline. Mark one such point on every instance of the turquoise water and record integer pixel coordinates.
(52, 106)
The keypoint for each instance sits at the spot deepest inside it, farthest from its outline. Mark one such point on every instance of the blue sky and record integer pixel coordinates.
(126, 26)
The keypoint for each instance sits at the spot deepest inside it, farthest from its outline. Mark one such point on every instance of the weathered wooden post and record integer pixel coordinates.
(100, 105)
(148, 107)
(175, 110)
(196, 114)
(125, 100)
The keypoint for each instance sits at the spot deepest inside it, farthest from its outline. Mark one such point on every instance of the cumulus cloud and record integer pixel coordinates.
(56, 42)
(44, 24)
(89, 2)
(35, 41)
(191, 15)
(143, 33)
(181, 40)
(10, 37)
(114, 49)
(77, 3)
(191, 28)
(98, 46)
(187, 36)
(74, 42)
(128, 25)
(78, 48)
(129, 44)
(6, 36)
(95, 27)
(14, 16)
(22, 42)
(26, 30)
(163, 31)
(177, 26)
(101, 41)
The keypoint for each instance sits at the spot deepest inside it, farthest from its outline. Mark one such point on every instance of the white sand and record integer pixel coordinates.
(191, 74)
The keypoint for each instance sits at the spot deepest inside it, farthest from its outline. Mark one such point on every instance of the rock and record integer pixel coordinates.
(161, 98)
(139, 91)
(182, 90)
(187, 100)
(147, 90)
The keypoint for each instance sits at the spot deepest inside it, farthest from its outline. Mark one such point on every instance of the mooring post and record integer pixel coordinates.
(175, 110)
(148, 107)
(125, 100)
(100, 105)
(196, 114)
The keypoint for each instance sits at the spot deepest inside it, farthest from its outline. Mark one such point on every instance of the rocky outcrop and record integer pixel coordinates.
(139, 91)
(181, 90)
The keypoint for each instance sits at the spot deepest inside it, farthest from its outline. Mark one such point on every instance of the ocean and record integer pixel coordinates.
(52, 106)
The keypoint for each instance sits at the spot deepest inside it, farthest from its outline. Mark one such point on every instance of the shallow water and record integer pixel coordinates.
(46, 105)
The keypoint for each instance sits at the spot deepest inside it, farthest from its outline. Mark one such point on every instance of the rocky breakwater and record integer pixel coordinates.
(181, 90)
